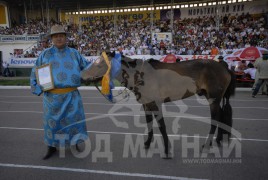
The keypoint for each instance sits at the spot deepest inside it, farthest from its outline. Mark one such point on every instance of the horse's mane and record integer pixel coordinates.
(156, 64)
(129, 62)
(134, 62)
(151, 61)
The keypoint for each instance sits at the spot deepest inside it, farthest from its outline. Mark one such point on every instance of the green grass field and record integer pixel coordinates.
(15, 82)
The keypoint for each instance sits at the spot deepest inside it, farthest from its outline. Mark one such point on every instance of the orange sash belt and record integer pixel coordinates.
(62, 90)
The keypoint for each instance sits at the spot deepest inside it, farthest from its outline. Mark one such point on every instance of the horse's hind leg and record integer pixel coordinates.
(220, 130)
(221, 120)
(224, 129)
(215, 115)
(162, 128)
(149, 121)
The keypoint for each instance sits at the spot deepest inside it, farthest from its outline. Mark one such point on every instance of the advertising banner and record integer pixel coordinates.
(141, 15)
(29, 62)
(165, 36)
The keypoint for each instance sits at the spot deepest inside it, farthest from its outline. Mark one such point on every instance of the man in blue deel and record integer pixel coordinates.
(64, 118)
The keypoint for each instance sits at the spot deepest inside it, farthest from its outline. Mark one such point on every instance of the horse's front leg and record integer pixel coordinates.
(149, 121)
(157, 110)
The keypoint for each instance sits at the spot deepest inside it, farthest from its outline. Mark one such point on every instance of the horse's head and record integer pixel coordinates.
(98, 68)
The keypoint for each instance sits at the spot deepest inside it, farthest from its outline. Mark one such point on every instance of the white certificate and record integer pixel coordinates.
(44, 77)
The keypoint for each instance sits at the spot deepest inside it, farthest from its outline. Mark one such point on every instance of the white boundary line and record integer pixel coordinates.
(80, 88)
(166, 115)
(137, 134)
(94, 88)
(250, 99)
(128, 104)
(102, 172)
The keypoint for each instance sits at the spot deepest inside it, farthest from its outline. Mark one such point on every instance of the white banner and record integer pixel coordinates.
(165, 36)
(29, 62)
(181, 57)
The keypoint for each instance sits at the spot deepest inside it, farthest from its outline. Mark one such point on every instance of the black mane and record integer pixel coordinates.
(151, 60)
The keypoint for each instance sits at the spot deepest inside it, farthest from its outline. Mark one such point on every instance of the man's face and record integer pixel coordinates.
(59, 40)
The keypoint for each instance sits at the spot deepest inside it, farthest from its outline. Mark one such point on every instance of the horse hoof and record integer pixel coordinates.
(218, 143)
(205, 149)
(148, 143)
(146, 146)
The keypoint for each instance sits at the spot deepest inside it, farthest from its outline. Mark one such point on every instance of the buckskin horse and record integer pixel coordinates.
(154, 83)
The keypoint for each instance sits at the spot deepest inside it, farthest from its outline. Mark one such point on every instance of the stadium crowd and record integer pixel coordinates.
(190, 36)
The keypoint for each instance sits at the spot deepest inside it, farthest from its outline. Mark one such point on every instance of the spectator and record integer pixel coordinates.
(27, 55)
(205, 51)
(162, 44)
(214, 50)
(250, 71)
(6, 71)
(262, 67)
(190, 51)
(238, 31)
(241, 66)
(45, 43)
(263, 86)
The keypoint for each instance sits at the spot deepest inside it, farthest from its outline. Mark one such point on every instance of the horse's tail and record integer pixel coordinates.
(226, 112)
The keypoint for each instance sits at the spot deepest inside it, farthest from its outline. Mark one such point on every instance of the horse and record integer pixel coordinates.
(154, 82)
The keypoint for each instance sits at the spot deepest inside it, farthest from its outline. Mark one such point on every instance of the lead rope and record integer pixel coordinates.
(105, 96)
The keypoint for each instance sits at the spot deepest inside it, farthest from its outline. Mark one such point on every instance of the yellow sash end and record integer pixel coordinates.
(105, 84)
(62, 90)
